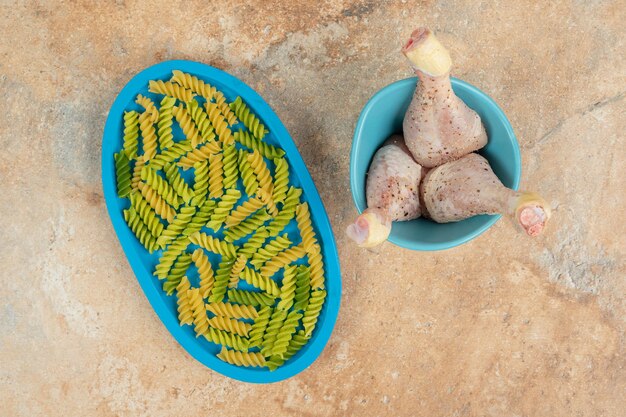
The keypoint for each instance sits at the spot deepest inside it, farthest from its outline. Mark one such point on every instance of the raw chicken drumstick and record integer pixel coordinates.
(467, 187)
(392, 192)
(438, 126)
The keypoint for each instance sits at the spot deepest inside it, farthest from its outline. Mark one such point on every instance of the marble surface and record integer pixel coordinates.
(502, 326)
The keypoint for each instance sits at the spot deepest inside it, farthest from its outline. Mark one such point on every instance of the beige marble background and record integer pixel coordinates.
(503, 326)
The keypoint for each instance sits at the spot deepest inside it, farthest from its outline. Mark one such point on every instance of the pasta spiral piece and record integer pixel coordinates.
(255, 242)
(122, 174)
(237, 327)
(200, 154)
(317, 267)
(268, 151)
(259, 281)
(226, 339)
(266, 199)
(261, 171)
(233, 311)
(295, 344)
(303, 218)
(136, 177)
(169, 256)
(303, 287)
(288, 289)
(166, 138)
(281, 180)
(178, 183)
(247, 359)
(255, 336)
(312, 312)
(201, 183)
(219, 123)
(246, 227)
(205, 271)
(213, 244)
(161, 186)
(185, 313)
(247, 174)
(286, 213)
(243, 211)
(177, 150)
(146, 213)
(285, 334)
(238, 267)
(271, 332)
(140, 229)
(148, 134)
(216, 176)
(281, 260)
(201, 120)
(222, 276)
(149, 107)
(230, 166)
(170, 89)
(226, 111)
(224, 206)
(200, 319)
(176, 227)
(131, 133)
(187, 125)
(253, 298)
(270, 250)
(194, 84)
(176, 273)
(201, 218)
(248, 119)
(156, 202)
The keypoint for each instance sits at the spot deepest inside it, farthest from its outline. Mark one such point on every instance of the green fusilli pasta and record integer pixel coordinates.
(164, 124)
(122, 174)
(253, 298)
(249, 120)
(268, 151)
(131, 134)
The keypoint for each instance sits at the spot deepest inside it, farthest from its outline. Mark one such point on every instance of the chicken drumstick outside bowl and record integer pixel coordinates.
(382, 117)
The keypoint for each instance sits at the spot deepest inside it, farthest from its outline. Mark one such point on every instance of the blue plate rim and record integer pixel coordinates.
(456, 85)
(324, 329)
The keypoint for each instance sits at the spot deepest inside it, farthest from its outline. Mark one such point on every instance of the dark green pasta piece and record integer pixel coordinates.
(122, 174)
(303, 288)
(295, 344)
(140, 229)
(253, 298)
(176, 273)
(265, 149)
(222, 276)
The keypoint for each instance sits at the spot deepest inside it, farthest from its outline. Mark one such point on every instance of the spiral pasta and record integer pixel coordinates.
(281, 180)
(295, 344)
(285, 334)
(288, 289)
(281, 260)
(261, 171)
(233, 311)
(254, 242)
(174, 152)
(234, 326)
(247, 226)
(205, 271)
(216, 176)
(139, 228)
(213, 244)
(255, 335)
(266, 199)
(185, 312)
(146, 214)
(148, 135)
(170, 89)
(178, 183)
(169, 256)
(316, 265)
(194, 84)
(271, 332)
(303, 287)
(226, 339)
(201, 183)
(248, 178)
(248, 118)
(224, 206)
(201, 119)
(131, 133)
(247, 359)
(222, 276)
(176, 227)
(268, 151)
(253, 298)
(242, 211)
(136, 176)
(203, 153)
(303, 218)
(202, 216)
(200, 319)
(162, 187)
(270, 250)
(164, 123)
(159, 205)
(187, 125)
(238, 267)
(122, 174)
(259, 281)
(312, 312)
(286, 213)
(230, 166)
(149, 107)
(176, 273)
(219, 123)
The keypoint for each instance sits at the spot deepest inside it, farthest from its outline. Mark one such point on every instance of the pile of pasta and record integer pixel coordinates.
(262, 300)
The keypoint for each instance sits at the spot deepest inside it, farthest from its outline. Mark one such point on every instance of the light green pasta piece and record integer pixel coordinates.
(214, 244)
(230, 166)
(201, 119)
(246, 359)
(303, 288)
(270, 250)
(131, 134)
(259, 281)
(166, 138)
(178, 183)
(285, 334)
(162, 187)
(281, 180)
(216, 176)
(271, 332)
(175, 228)
(224, 206)
(177, 150)
(146, 213)
(201, 218)
(221, 337)
(122, 174)
(140, 229)
(281, 260)
(201, 183)
(253, 298)
(249, 141)
(179, 269)
(288, 288)
(312, 312)
(255, 242)
(295, 344)
(249, 120)
(242, 211)
(287, 212)
(250, 182)
(246, 227)
(255, 336)
(170, 255)
(222, 276)
(205, 271)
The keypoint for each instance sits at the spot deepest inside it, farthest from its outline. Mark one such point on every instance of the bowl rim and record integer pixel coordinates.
(457, 84)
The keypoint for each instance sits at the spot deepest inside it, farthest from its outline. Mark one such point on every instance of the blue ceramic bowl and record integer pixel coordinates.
(382, 116)
(143, 263)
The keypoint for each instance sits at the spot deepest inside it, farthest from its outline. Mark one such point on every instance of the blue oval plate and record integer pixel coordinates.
(143, 263)
(382, 116)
